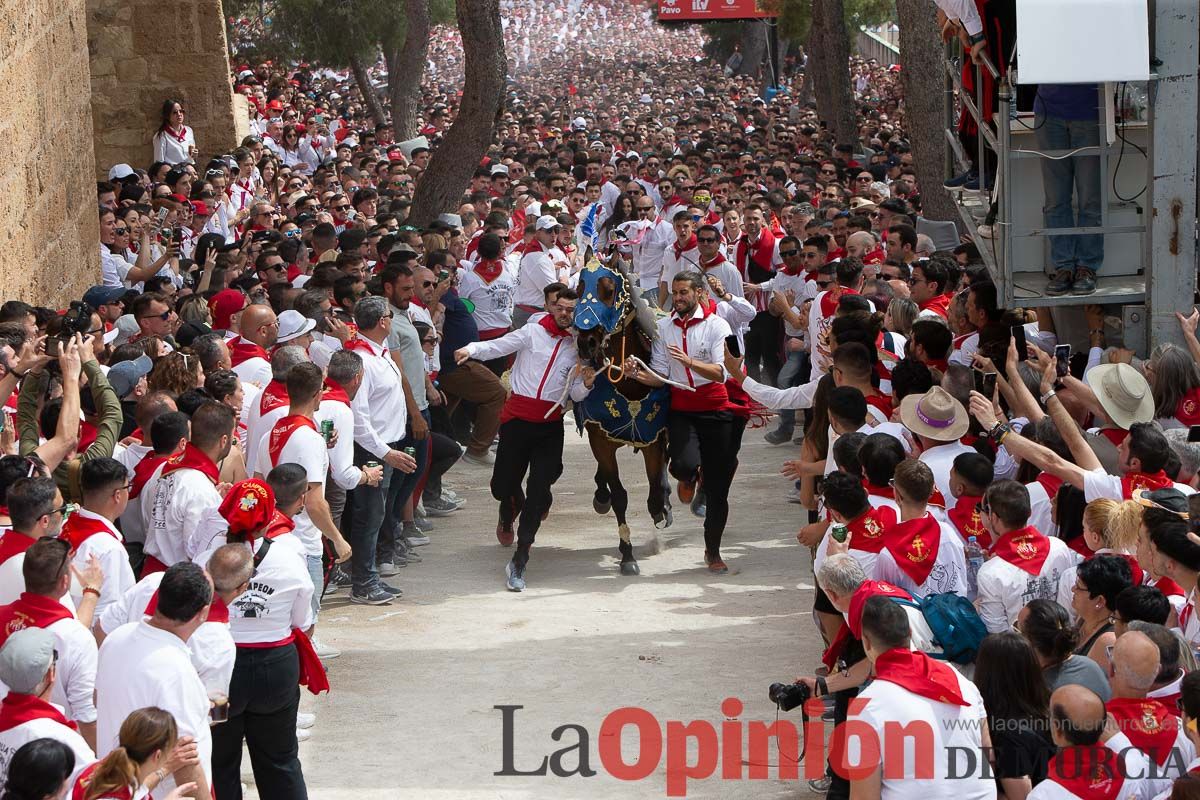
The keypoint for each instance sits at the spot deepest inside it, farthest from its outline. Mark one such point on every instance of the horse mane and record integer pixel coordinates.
(642, 312)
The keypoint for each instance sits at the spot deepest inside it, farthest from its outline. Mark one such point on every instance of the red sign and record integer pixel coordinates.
(707, 10)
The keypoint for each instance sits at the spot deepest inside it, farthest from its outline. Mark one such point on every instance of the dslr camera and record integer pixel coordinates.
(62, 329)
(788, 695)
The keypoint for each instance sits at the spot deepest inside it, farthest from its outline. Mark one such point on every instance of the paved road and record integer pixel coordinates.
(412, 710)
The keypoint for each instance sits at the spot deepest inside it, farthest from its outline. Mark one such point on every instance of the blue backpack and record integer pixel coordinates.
(955, 623)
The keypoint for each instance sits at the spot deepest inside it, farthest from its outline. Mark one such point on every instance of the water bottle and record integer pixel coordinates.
(974, 554)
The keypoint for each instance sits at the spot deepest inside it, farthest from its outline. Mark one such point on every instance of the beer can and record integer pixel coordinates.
(327, 429)
(411, 451)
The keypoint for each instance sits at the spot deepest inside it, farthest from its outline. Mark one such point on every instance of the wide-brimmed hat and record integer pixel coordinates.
(935, 415)
(293, 325)
(1123, 393)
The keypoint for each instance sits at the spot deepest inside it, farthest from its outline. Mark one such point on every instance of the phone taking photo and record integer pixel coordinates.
(1062, 360)
(985, 383)
(733, 346)
(1194, 433)
(1018, 335)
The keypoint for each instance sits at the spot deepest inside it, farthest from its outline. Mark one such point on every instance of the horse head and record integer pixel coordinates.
(603, 306)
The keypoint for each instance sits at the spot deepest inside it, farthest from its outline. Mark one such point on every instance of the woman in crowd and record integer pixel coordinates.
(1014, 692)
(176, 373)
(149, 749)
(1109, 526)
(174, 142)
(39, 771)
(1174, 379)
(1049, 630)
(1098, 581)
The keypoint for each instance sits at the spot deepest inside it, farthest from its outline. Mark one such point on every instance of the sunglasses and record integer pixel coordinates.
(707, 240)
(164, 316)
(342, 208)
(430, 340)
(120, 231)
(789, 253)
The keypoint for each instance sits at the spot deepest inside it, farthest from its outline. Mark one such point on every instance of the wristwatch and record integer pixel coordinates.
(976, 38)
(1046, 397)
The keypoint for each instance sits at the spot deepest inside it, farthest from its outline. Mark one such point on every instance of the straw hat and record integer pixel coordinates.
(1123, 393)
(935, 415)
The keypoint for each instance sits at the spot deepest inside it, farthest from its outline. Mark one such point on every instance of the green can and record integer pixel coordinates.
(327, 429)
(411, 451)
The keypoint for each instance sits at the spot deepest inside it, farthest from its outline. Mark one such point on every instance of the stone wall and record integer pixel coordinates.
(49, 234)
(144, 51)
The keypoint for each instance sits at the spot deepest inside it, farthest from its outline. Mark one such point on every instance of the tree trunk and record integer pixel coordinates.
(922, 78)
(368, 92)
(406, 67)
(829, 69)
(456, 158)
(754, 47)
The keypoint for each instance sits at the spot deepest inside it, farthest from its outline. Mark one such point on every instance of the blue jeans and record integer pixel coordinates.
(1066, 179)
(400, 486)
(361, 521)
(790, 375)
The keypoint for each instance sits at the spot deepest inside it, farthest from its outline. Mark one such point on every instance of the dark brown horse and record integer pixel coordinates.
(614, 324)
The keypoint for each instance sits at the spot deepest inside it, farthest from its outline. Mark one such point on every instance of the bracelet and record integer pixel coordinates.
(1046, 397)
(90, 590)
(161, 774)
(822, 687)
(977, 38)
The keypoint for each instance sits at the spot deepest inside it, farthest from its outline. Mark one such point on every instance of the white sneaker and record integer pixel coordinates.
(487, 459)
(303, 735)
(986, 231)
(304, 721)
(325, 651)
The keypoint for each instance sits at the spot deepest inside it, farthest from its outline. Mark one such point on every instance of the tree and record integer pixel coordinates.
(922, 76)
(453, 163)
(829, 69)
(405, 67)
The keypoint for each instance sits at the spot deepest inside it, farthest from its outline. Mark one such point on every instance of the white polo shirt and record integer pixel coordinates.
(172, 513)
(140, 666)
(1005, 588)
(279, 596)
(535, 272)
(114, 561)
(380, 413)
(307, 448)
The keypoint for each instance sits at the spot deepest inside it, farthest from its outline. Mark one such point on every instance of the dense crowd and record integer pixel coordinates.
(257, 404)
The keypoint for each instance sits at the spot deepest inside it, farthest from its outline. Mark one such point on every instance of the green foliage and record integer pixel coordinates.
(795, 16)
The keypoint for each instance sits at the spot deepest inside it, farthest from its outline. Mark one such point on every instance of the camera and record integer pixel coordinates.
(62, 329)
(788, 695)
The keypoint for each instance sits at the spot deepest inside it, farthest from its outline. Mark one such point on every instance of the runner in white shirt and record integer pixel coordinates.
(345, 377)
(1025, 565)
(105, 485)
(171, 430)
(682, 255)
(148, 664)
(921, 554)
(26, 713)
(249, 351)
(536, 271)
(650, 237)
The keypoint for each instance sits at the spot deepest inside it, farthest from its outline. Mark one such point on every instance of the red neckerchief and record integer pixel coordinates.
(960, 340)
(87, 436)
(851, 627)
(193, 458)
(84, 782)
(180, 135)
(17, 709)
(939, 305)
(760, 253)
(359, 344)
(1132, 481)
(30, 611)
(534, 246)
(914, 546)
(829, 300)
(920, 674)
(334, 391)
(1116, 436)
(690, 244)
(881, 402)
(834, 255)
(717, 261)
(876, 256)
(1169, 588)
(1089, 772)
(1026, 548)
(551, 326)
(1148, 723)
(78, 529)
(965, 517)
(13, 543)
(279, 525)
(866, 532)
(241, 350)
(283, 431)
(1188, 410)
(489, 269)
(143, 472)
(217, 612)
(879, 491)
(274, 395)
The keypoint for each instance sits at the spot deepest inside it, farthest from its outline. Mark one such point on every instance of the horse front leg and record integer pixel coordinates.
(658, 502)
(605, 452)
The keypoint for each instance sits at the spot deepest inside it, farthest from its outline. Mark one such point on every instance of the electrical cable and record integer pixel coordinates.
(1121, 152)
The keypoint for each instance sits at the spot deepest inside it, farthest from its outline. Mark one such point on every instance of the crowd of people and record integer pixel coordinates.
(256, 405)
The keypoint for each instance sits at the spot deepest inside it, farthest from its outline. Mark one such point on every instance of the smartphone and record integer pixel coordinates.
(1062, 360)
(1194, 433)
(260, 236)
(732, 345)
(989, 385)
(1018, 335)
(177, 234)
(162, 215)
(318, 119)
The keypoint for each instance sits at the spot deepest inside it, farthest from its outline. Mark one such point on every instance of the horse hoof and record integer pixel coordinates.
(630, 567)
(664, 521)
(601, 508)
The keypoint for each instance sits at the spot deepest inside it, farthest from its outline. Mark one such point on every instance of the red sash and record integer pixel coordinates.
(488, 269)
(1088, 772)
(17, 709)
(965, 517)
(1025, 548)
(13, 543)
(84, 781)
(30, 611)
(914, 546)
(852, 626)
(274, 395)
(1188, 410)
(312, 671)
(919, 674)
(334, 391)
(144, 471)
(78, 529)
(1149, 724)
(283, 431)
(279, 525)
(217, 612)
(866, 532)
(939, 305)
(1133, 481)
(193, 458)
(241, 350)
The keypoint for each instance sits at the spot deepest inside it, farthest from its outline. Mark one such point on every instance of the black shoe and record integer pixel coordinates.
(778, 436)
(1085, 281)
(1061, 283)
(392, 590)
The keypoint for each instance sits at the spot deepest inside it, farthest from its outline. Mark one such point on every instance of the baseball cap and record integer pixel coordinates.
(200, 208)
(120, 172)
(292, 325)
(26, 658)
(124, 376)
(499, 169)
(126, 327)
(223, 305)
(546, 222)
(102, 295)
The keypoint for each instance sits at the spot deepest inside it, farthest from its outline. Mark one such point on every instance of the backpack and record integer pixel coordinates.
(955, 623)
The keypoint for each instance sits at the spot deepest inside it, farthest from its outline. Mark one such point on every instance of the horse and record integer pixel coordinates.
(614, 322)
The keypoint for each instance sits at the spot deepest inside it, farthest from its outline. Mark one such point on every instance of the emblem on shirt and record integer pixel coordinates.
(917, 551)
(872, 529)
(1149, 722)
(19, 622)
(1189, 407)
(1026, 548)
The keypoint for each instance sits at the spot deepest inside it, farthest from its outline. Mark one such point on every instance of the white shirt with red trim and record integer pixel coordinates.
(543, 364)
(305, 447)
(704, 341)
(536, 271)
(1134, 786)
(380, 415)
(686, 261)
(949, 572)
(258, 428)
(18, 736)
(255, 370)
(74, 686)
(341, 455)
(1004, 589)
(493, 301)
(648, 252)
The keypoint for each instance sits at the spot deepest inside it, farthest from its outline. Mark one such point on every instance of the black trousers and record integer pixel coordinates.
(536, 448)
(704, 444)
(762, 347)
(264, 696)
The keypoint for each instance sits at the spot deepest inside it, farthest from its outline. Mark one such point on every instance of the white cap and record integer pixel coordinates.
(453, 220)
(292, 325)
(120, 172)
(579, 124)
(499, 169)
(645, 99)
(546, 223)
(409, 146)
